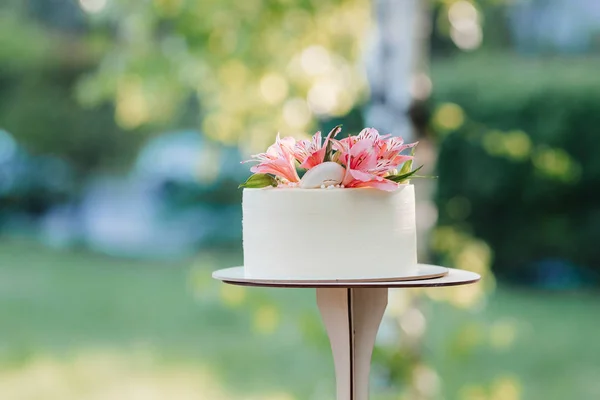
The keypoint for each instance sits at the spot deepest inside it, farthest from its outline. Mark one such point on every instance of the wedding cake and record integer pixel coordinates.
(350, 216)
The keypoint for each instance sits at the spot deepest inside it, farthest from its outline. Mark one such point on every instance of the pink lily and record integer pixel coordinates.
(278, 160)
(311, 153)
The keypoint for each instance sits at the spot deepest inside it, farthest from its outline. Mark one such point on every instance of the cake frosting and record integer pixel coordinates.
(329, 234)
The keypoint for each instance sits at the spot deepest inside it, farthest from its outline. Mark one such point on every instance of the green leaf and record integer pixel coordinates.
(259, 181)
(328, 151)
(407, 166)
(402, 177)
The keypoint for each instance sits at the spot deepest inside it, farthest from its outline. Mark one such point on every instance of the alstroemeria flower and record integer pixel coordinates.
(368, 134)
(311, 153)
(362, 167)
(388, 149)
(358, 179)
(369, 157)
(278, 160)
(391, 149)
(371, 134)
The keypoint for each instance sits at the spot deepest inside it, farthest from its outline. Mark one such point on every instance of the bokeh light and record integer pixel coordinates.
(296, 113)
(421, 86)
(274, 88)
(448, 117)
(556, 163)
(315, 60)
(266, 319)
(465, 29)
(93, 6)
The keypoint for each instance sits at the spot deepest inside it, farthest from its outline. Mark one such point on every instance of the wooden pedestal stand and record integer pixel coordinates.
(351, 312)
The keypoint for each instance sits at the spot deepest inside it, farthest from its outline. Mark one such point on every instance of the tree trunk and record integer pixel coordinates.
(397, 64)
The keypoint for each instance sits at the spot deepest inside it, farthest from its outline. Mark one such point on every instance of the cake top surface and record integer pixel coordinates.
(365, 160)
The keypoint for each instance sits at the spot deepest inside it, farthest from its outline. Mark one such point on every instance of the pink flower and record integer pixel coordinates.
(278, 160)
(362, 167)
(369, 157)
(311, 153)
(371, 134)
(358, 179)
(391, 148)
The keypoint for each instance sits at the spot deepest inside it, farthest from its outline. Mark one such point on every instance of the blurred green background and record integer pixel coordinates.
(122, 124)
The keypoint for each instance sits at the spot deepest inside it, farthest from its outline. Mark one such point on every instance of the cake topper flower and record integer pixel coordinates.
(278, 161)
(311, 153)
(364, 160)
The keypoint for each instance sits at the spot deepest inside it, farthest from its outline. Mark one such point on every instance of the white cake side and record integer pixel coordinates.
(292, 233)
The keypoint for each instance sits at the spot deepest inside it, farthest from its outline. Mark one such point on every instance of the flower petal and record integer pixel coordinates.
(314, 159)
(310, 153)
(364, 179)
(278, 160)
(361, 176)
(383, 184)
(369, 134)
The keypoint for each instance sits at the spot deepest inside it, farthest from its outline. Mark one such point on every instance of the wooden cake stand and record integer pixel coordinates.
(351, 312)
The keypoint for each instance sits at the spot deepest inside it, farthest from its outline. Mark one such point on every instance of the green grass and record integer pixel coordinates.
(544, 343)
(75, 325)
(61, 305)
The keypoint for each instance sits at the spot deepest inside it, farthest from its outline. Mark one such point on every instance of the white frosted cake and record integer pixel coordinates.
(292, 233)
(349, 215)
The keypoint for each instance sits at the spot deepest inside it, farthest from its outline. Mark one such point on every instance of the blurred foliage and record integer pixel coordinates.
(248, 68)
(518, 160)
(41, 61)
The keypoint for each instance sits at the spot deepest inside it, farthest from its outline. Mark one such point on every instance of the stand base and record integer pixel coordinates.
(352, 317)
(352, 313)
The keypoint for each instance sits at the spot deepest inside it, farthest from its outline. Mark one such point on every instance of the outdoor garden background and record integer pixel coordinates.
(122, 124)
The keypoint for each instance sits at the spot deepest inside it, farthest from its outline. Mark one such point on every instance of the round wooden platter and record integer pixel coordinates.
(428, 276)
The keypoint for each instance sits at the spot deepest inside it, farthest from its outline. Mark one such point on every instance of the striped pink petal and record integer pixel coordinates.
(363, 179)
(311, 153)
(278, 160)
